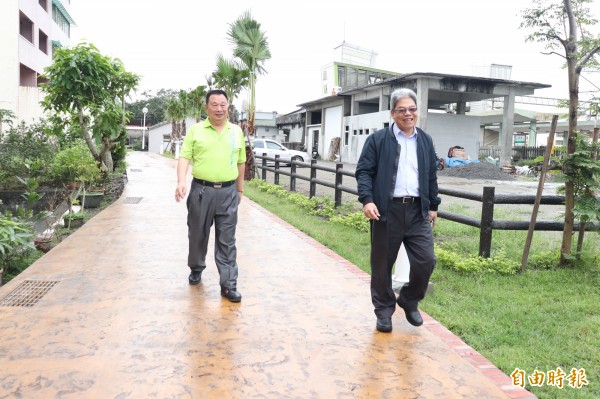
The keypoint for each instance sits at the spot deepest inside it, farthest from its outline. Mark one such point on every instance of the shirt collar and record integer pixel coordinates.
(398, 132)
(206, 123)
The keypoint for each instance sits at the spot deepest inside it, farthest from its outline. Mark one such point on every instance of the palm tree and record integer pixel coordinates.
(175, 111)
(232, 78)
(195, 102)
(252, 48)
(184, 111)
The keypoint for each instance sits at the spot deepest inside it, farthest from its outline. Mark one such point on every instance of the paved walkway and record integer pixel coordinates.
(111, 315)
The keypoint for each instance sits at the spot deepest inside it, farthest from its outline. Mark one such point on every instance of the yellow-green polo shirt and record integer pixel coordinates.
(214, 156)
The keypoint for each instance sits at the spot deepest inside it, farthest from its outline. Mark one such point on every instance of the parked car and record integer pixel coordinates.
(273, 148)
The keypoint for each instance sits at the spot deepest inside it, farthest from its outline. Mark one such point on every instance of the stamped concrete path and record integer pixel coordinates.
(109, 313)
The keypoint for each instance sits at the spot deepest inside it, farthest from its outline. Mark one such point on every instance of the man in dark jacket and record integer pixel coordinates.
(397, 185)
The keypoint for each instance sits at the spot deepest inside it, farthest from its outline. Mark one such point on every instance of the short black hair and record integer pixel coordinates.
(215, 92)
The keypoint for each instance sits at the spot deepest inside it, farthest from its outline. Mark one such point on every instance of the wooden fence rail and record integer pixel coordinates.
(488, 198)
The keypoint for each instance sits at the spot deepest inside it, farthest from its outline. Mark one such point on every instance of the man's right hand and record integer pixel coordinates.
(370, 211)
(180, 192)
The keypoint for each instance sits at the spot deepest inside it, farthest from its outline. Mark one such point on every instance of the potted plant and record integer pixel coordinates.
(76, 164)
(92, 196)
(43, 242)
(74, 219)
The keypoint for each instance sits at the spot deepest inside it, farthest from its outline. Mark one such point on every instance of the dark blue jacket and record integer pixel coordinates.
(378, 164)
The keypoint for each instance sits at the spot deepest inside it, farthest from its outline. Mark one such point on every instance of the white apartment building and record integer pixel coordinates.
(30, 30)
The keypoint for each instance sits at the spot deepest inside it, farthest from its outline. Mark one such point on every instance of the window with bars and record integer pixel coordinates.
(61, 20)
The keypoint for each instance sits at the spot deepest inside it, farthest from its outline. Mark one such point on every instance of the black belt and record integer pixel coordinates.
(214, 185)
(407, 200)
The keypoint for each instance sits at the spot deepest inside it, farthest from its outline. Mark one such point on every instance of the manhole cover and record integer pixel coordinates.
(28, 293)
(132, 200)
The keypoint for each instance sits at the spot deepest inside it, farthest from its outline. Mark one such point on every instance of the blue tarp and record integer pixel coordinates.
(450, 162)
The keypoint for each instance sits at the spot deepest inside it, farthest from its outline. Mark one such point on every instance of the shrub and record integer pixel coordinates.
(75, 164)
(356, 220)
(21, 147)
(499, 263)
(15, 236)
(119, 151)
(544, 260)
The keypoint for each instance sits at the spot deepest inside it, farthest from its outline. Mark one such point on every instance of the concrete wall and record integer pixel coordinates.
(368, 123)
(156, 132)
(270, 132)
(333, 128)
(9, 54)
(29, 104)
(155, 137)
(448, 130)
(296, 132)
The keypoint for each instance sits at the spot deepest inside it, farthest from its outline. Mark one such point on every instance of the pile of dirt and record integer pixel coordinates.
(476, 171)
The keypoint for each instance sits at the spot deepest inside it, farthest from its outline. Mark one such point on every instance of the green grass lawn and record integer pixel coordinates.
(541, 320)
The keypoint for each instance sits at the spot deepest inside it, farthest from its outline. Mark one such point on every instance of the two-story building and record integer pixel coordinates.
(347, 118)
(30, 30)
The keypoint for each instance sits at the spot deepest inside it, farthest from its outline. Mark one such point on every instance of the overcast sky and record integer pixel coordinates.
(174, 44)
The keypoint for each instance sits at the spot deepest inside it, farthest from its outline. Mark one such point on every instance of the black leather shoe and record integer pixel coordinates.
(195, 277)
(231, 294)
(412, 316)
(384, 324)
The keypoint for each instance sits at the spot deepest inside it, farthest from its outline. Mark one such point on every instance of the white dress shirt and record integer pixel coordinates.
(407, 177)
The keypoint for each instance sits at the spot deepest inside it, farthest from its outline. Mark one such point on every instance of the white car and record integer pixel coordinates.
(273, 148)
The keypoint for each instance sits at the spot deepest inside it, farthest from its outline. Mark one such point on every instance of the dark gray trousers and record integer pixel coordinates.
(205, 206)
(405, 224)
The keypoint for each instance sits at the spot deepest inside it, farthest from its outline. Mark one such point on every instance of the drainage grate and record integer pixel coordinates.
(135, 170)
(28, 293)
(132, 200)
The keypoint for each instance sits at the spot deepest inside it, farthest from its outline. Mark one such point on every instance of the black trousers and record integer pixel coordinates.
(405, 224)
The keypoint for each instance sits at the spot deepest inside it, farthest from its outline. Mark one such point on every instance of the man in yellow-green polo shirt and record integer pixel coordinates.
(216, 149)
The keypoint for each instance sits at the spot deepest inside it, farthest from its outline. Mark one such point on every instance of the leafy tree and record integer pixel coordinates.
(585, 177)
(156, 104)
(6, 116)
(232, 78)
(252, 48)
(564, 24)
(89, 89)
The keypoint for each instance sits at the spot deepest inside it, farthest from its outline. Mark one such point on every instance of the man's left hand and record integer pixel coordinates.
(432, 218)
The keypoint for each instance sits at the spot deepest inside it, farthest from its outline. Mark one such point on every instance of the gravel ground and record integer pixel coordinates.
(478, 170)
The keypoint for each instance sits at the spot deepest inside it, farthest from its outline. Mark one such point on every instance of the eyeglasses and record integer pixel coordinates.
(215, 106)
(412, 110)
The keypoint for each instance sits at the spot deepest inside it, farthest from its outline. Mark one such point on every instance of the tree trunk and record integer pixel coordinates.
(567, 240)
(89, 140)
(107, 162)
(231, 112)
(173, 135)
